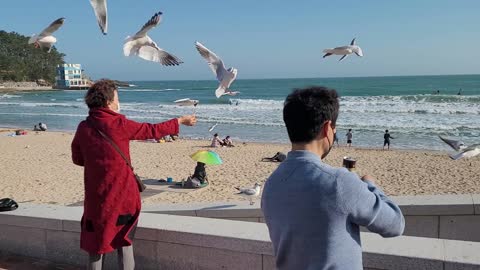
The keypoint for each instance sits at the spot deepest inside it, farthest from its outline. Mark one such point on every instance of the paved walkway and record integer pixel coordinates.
(9, 262)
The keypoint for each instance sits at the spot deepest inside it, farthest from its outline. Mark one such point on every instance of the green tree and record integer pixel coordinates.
(20, 61)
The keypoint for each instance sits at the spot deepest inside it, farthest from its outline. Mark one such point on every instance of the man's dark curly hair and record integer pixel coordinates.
(306, 110)
(100, 94)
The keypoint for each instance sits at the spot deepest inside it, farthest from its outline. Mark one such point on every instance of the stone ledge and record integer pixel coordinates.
(230, 239)
(436, 205)
(424, 205)
(476, 203)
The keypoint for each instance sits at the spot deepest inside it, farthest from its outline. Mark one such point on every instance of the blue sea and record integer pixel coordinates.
(407, 106)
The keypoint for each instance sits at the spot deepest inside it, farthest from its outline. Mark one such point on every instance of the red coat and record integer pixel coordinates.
(112, 200)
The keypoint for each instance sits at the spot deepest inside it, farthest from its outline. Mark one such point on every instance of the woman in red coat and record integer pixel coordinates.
(112, 198)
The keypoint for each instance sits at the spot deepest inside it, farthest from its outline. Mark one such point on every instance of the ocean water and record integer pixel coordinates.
(404, 105)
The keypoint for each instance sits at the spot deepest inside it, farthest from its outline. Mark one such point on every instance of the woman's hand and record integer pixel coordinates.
(187, 120)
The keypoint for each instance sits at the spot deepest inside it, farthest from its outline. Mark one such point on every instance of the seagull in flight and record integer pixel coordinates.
(249, 193)
(344, 50)
(186, 102)
(224, 76)
(212, 127)
(464, 151)
(468, 152)
(231, 93)
(45, 38)
(456, 145)
(144, 47)
(100, 9)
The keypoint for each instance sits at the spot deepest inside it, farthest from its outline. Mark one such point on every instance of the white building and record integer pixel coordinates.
(69, 76)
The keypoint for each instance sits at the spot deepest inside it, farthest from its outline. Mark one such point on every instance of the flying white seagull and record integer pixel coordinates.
(249, 193)
(100, 9)
(456, 145)
(224, 76)
(344, 50)
(144, 47)
(186, 102)
(45, 38)
(212, 127)
(231, 93)
(465, 152)
(468, 152)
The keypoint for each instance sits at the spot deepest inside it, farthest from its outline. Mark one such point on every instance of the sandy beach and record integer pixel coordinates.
(37, 168)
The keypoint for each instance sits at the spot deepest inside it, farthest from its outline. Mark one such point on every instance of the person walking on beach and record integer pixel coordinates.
(335, 139)
(112, 199)
(349, 137)
(386, 139)
(314, 211)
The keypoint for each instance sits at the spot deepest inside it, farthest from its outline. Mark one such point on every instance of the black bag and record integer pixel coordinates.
(7, 204)
(140, 184)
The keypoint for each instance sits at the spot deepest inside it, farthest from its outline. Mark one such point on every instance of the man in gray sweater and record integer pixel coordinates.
(313, 211)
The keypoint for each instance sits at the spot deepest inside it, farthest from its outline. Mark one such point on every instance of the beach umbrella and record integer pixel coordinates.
(206, 156)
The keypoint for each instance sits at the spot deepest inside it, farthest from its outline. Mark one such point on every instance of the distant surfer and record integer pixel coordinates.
(459, 92)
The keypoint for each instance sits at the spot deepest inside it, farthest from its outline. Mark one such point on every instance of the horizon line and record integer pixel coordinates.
(294, 78)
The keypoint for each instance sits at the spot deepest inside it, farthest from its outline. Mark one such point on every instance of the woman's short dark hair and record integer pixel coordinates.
(306, 110)
(100, 94)
(215, 135)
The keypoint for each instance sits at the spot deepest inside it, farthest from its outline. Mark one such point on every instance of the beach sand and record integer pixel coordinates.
(37, 168)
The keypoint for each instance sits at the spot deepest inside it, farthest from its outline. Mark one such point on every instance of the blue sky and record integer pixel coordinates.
(264, 39)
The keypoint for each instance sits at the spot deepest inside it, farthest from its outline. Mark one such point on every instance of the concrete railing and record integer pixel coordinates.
(180, 242)
(455, 217)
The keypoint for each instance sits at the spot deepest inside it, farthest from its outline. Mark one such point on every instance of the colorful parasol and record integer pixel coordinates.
(206, 156)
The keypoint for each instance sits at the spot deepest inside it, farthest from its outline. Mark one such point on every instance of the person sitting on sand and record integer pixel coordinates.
(36, 128)
(42, 126)
(199, 177)
(200, 173)
(216, 142)
(227, 142)
(278, 157)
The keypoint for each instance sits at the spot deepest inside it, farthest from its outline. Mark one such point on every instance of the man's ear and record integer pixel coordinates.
(325, 127)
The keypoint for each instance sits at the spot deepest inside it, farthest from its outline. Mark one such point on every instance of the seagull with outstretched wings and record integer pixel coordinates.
(100, 9)
(144, 47)
(464, 151)
(45, 39)
(344, 50)
(224, 76)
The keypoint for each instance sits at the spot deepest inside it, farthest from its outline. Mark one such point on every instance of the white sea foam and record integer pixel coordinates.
(148, 90)
(420, 117)
(45, 114)
(5, 96)
(44, 104)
